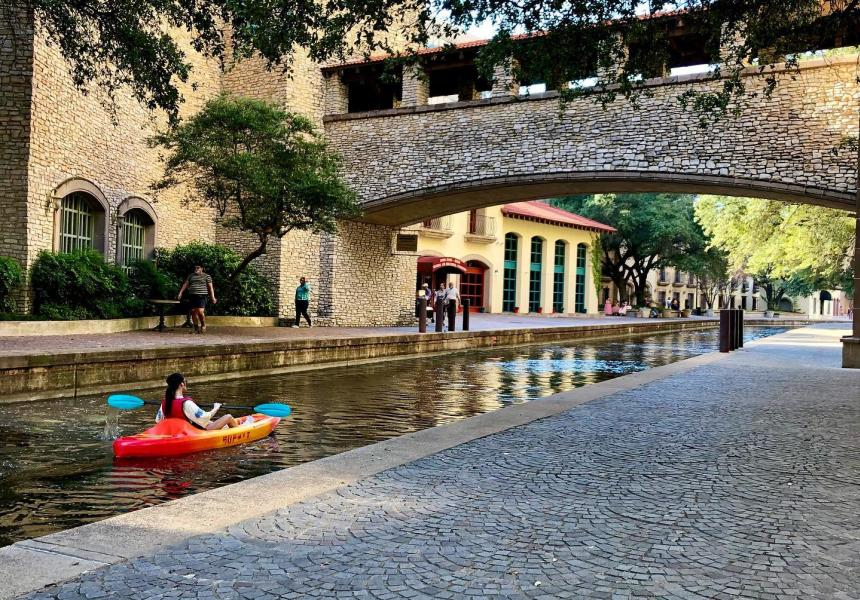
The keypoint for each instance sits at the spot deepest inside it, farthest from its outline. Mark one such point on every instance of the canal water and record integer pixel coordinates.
(57, 470)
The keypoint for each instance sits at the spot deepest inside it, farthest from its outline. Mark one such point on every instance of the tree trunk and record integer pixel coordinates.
(261, 249)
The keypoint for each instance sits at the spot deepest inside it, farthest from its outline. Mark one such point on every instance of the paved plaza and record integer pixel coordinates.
(739, 478)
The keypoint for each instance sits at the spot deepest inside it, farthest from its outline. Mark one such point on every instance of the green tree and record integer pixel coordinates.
(122, 43)
(711, 269)
(265, 171)
(652, 231)
(781, 242)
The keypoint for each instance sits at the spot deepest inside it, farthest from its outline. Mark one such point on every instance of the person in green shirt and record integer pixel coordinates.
(303, 299)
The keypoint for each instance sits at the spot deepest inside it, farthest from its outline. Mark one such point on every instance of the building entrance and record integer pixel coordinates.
(472, 284)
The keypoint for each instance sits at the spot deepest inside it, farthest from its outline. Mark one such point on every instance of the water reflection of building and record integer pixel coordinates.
(526, 257)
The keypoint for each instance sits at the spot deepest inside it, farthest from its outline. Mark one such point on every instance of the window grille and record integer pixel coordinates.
(77, 223)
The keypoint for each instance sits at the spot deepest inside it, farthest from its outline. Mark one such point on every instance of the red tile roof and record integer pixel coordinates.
(534, 210)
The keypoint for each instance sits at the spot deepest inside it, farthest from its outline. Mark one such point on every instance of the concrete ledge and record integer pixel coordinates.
(91, 326)
(851, 352)
(60, 556)
(38, 377)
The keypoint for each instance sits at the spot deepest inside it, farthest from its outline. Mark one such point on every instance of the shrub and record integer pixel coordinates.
(251, 294)
(11, 278)
(147, 282)
(80, 285)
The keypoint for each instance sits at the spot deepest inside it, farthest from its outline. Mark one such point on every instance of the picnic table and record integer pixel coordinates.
(161, 305)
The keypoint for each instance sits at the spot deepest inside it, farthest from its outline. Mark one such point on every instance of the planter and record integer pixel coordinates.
(667, 313)
(644, 312)
(516, 309)
(709, 312)
(539, 310)
(686, 312)
(768, 314)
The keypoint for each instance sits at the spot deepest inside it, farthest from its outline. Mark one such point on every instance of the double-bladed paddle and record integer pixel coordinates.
(129, 402)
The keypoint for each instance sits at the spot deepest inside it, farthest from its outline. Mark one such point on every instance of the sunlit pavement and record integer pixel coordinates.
(176, 337)
(737, 479)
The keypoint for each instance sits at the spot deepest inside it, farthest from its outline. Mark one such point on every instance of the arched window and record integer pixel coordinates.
(509, 289)
(135, 231)
(81, 223)
(558, 277)
(581, 262)
(535, 274)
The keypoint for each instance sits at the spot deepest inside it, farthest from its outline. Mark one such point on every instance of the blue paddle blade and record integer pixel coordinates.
(274, 409)
(124, 402)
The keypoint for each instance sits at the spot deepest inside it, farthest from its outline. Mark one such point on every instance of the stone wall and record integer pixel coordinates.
(16, 69)
(370, 284)
(77, 137)
(412, 163)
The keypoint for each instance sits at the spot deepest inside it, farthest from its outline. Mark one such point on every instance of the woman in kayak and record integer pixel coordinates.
(177, 405)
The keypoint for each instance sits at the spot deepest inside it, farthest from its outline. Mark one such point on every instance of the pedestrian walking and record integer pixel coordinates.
(303, 300)
(441, 294)
(453, 294)
(199, 287)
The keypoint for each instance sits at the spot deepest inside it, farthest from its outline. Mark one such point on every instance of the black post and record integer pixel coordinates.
(452, 315)
(439, 315)
(465, 314)
(422, 314)
(740, 328)
(724, 330)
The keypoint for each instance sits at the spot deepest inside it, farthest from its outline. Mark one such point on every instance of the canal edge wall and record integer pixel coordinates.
(62, 375)
(64, 555)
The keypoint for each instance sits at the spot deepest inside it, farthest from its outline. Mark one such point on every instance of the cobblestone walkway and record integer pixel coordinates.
(739, 479)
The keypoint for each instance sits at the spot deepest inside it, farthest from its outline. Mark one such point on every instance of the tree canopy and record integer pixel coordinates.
(653, 230)
(779, 241)
(125, 43)
(265, 171)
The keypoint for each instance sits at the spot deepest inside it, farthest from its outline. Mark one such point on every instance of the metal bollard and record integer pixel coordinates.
(741, 328)
(465, 314)
(422, 315)
(452, 315)
(734, 331)
(440, 315)
(724, 331)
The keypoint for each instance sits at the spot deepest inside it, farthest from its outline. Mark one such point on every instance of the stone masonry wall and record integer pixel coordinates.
(371, 286)
(783, 142)
(73, 136)
(16, 68)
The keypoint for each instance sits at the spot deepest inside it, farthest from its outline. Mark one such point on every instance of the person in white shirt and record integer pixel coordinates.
(177, 405)
(452, 294)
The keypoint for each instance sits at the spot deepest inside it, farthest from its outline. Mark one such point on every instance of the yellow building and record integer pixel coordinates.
(526, 257)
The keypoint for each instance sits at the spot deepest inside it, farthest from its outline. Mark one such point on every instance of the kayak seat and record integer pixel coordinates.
(173, 428)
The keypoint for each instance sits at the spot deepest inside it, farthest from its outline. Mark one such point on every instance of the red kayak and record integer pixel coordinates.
(171, 437)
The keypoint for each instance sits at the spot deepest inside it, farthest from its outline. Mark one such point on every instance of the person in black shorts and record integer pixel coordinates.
(199, 286)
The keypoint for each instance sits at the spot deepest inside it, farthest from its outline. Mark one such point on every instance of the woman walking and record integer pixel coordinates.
(199, 286)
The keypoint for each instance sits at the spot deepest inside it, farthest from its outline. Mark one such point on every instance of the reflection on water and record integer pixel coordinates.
(57, 470)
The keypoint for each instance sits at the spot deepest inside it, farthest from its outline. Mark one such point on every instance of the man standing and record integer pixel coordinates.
(452, 297)
(303, 299)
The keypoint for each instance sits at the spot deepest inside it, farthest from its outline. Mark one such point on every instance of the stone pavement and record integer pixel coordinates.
(215, 336)
(739, 478)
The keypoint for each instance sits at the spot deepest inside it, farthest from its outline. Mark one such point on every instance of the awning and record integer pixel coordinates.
(435, 263)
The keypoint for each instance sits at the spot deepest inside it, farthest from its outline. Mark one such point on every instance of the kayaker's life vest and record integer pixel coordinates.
(176, 411)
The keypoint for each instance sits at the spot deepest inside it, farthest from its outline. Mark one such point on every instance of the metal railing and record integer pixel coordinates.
(482, 225)
(437, 224)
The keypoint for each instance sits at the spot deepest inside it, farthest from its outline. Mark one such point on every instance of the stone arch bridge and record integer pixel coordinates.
(415, 162)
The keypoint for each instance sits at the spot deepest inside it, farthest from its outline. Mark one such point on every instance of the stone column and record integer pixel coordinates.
(504, 83)
(416, 87)
(336, 95)
(851, 344)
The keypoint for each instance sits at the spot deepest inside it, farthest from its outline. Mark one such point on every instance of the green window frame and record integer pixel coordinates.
(133, 238)
(509, 277)
(581, 262)
(558, 277)
(535, 273)
(77, 223)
